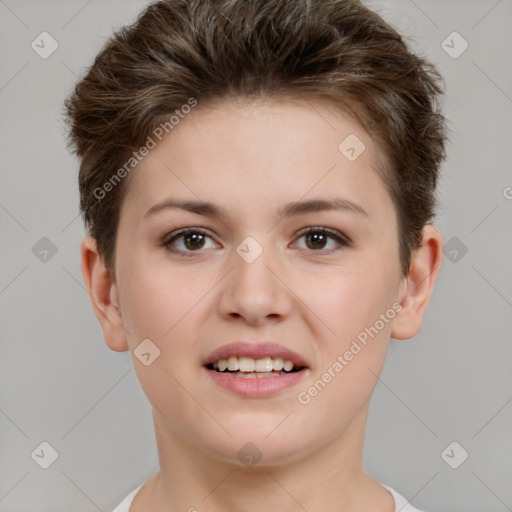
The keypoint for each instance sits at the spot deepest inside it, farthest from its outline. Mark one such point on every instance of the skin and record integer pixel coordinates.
(251, 158)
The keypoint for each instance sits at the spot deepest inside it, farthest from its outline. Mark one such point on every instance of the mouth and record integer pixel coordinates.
(249, 368)
(255, 370)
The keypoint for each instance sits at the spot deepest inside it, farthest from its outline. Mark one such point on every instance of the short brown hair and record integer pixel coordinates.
(214, 49)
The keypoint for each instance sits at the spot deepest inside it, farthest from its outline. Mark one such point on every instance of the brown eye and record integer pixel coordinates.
(193, 241)
(187, 241)
(316, 239)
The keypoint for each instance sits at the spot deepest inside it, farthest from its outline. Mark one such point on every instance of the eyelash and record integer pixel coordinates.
(341, 240)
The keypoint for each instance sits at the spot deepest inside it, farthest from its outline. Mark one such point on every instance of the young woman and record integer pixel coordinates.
(258, 184)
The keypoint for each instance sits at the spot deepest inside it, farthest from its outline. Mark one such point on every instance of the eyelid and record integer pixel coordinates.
(340, 238)
(185, 231)
(333, 233)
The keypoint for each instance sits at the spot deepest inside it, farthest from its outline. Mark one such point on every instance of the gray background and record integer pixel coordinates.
(59, 383)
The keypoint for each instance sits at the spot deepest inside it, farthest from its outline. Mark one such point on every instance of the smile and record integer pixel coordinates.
(255, 370)
(247, 366)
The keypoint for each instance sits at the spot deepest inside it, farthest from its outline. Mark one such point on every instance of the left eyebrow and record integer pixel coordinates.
(289, 210)
(317, 205)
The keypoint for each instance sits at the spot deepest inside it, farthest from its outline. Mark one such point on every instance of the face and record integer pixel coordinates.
(269, 262)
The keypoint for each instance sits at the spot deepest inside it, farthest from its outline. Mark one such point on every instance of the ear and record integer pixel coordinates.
(103, 294)
(417, 287)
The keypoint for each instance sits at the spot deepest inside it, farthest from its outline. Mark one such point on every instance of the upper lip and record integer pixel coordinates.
(255, 351)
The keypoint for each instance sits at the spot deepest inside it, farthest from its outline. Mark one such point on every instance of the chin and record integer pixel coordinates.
(254, 447)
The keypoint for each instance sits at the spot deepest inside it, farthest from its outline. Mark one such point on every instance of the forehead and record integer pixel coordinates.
(258, 150)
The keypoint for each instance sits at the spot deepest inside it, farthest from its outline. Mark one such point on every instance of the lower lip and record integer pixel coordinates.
(257, 387)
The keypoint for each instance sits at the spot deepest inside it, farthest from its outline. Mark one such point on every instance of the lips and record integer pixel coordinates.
(254, 384)
(255, 351)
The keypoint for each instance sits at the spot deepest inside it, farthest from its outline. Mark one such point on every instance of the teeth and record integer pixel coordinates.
(287, 366)
(250, 365)
(233, 364)
(255, 375)
(277, 364)
(246, 364)
(264, 365)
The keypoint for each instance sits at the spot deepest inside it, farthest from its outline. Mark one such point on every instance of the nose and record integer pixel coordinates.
(255, 291)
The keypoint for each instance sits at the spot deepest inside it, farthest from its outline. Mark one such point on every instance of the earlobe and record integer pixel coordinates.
(103, 295)
(417, 287)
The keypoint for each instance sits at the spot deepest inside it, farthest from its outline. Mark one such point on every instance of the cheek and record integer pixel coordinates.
(355, 319)
(156, 301)
(347, 301)
(161, 306)
(357, 305)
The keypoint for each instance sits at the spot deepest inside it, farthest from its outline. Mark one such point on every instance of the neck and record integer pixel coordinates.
(330, 477)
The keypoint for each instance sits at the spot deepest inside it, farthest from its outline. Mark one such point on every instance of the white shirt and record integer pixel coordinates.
(401, 504)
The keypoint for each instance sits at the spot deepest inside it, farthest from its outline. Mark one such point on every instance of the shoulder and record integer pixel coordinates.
(124, 506)
(401, 504)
